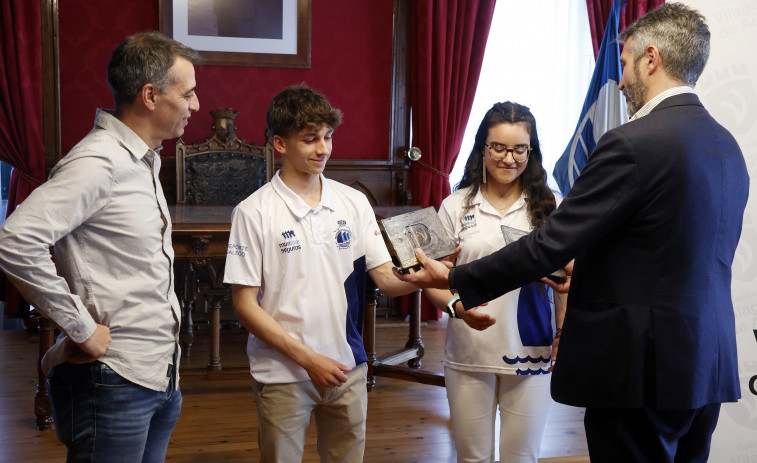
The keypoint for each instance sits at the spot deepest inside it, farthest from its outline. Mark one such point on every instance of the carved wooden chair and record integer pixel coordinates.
(222, 170)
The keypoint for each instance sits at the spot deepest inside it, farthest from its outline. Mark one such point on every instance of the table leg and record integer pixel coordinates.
(369, 330)
(41, 400)
(389, 365)
(414, 336)
(187, 307)
(216, 298)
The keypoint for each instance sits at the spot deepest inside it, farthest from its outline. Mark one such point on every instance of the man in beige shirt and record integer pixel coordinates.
(113, 374)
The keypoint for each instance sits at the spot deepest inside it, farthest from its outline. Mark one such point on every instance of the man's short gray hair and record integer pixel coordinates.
(144, 59)
(681, 36)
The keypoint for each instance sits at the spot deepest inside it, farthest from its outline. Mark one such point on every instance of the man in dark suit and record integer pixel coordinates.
(648, 344)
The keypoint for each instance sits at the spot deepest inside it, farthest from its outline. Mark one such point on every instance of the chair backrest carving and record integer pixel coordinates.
(224, 169)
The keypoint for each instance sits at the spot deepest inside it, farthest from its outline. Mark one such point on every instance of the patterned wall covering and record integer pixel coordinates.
(351, 57)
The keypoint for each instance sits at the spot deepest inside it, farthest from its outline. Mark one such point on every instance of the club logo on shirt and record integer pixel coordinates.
(290, 243)
(343, 235)
(469, 221)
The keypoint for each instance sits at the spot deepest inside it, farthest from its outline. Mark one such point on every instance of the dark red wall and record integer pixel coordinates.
(351, 59)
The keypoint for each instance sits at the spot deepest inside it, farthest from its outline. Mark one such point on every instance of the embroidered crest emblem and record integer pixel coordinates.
(343, 235)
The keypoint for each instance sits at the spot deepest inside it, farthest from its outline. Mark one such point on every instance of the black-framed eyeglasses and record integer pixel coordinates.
(520, 152)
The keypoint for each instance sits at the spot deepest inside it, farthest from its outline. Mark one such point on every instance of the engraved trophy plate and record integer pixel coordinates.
(418, 229)
(512, 235)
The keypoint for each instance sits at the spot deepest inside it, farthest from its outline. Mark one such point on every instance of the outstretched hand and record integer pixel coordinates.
(432, 274)
(565, 285)
(477, 320)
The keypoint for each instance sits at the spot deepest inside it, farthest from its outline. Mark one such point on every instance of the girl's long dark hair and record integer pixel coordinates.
(539, 198)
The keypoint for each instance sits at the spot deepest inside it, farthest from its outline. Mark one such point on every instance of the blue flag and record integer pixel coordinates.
(604, 107)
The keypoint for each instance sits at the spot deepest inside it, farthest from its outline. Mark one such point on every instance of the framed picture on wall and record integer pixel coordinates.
(265, 33)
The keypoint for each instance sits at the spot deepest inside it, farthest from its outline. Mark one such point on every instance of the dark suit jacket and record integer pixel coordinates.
(653, 222)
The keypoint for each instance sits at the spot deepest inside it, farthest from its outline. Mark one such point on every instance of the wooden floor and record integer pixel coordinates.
(407, 422)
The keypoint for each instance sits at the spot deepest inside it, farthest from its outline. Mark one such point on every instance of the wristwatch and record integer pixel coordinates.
(451, 306)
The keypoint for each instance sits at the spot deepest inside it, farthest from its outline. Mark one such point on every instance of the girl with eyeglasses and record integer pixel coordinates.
(499, 356)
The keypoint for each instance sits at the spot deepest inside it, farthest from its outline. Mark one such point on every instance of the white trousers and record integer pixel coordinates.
(523, 402)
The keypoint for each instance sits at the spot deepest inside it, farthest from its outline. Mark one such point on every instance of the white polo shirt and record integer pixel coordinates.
(520, 342)
(310, 264)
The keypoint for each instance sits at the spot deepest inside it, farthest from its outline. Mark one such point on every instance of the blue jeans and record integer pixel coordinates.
(102, 417)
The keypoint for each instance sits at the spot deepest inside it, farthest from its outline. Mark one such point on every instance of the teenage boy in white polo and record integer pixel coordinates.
(298, 253)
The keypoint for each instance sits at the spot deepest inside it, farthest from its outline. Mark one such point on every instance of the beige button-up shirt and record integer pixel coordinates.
(104, 211)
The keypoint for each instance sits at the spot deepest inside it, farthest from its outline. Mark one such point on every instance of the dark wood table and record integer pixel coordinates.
(200, 237)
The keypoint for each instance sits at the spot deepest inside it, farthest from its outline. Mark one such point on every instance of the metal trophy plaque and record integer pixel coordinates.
(418, 229)
(512, 235)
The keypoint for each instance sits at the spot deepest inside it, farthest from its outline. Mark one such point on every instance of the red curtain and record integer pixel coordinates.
(447, 43)
(631, 10)
(447, 49)
(20, 109)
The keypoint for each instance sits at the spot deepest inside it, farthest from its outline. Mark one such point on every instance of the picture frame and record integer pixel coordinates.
(229, 33)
